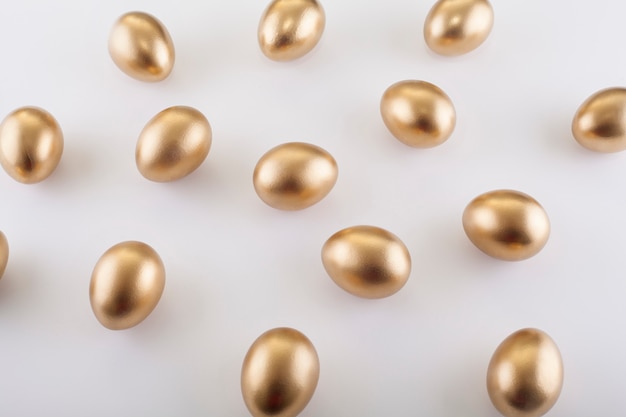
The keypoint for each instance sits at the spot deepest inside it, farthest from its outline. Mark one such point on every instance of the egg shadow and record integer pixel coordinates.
(76, 166)
(18, 284)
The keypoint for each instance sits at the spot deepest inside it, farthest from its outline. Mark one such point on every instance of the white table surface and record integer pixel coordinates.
(236, 267)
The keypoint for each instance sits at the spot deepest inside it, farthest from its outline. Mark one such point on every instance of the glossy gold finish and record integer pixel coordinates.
(142, 47)
(279, 374)
(600, 122)
(418, 113)
(525, 374)
(367, 261)
(4, 253)
(455, 27)
(294, 175)
(31, 144)
(126, 285)
(507, 225)
(173, 144)
(289, 29)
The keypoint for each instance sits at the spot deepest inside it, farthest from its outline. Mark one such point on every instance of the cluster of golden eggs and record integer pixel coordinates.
(281, 369)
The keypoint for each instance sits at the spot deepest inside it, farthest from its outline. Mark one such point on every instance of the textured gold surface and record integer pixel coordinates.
(126, 285)
(525, 374)
(141, 46)
(600, 122)
(455, 27)
(279, 373)
(294, 175)
(4, 253)
(506, 224)
(31, 144)
(173, 144)
(418, 113)
(289, 29)
(367, 261)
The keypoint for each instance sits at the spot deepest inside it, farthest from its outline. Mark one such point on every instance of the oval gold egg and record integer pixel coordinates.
(4, 253)
(367, 261)
(418, 113)
(279, 374)
(455, 27)
(289, 29)
(294, 175)
(126, 285)
(600, 122)
(31, 144)
(173, 144)
(141, 47)
(506, 224)
(525, 374)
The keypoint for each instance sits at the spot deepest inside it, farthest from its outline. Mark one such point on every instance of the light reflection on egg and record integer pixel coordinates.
(141, 47)
(126, 285)
(456, 27)
(506, 224)
(31, 144)
(289, 29)
(173, 144)
(525, 374)
(279, 373)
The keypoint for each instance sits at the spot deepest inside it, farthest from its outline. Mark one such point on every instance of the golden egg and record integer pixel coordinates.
(294, 175)
(31, 144)
(126, 285)
(279, 373)
(455, 27)
(4, 253)
(418, 113)
(367, 261)
(525, 375)
(289, 29)
(600, 122)
(142, 47)
(173, 144)
(506, 224)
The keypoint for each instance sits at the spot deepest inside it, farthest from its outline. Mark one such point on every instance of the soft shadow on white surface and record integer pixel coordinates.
(236, 268)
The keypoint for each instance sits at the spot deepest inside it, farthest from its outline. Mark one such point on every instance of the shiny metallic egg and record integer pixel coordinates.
(173, 144)
(294, 176)
(367, 261)
(279, 374)
(141, 47)
(600, 122)
(289, 29)
(525, 374)
(456, 27)
(418, 113)
(126, 285)
(4, 253)
(31, 144)
(506, 224)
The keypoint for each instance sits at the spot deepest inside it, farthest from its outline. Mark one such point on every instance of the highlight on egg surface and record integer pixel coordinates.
(456, 27)
(367, 261)
(126, 285)
(31, 144)
(525, 374)
(294, 175)
(141, 47)
(506, 224)
(173, 144)
(289, 29)
(4, 253)
(418, 113)
(600, 122)
(279, 373)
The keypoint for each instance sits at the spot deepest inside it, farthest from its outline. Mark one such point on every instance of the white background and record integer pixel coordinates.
(236, 267)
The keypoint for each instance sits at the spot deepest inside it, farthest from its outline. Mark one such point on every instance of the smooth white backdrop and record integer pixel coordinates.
(236, 267)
